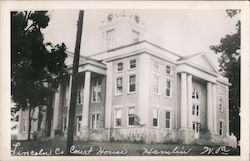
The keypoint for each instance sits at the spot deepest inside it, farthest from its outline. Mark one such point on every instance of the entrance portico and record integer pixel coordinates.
(88, 69)
(190, 108)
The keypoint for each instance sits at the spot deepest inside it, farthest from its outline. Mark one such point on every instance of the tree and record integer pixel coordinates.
(37, 67)
(229, 63)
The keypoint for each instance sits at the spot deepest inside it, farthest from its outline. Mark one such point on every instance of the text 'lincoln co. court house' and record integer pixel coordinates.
(135, 90)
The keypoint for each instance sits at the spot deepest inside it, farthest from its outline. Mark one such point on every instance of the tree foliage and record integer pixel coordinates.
(36, 67)
(229, 63)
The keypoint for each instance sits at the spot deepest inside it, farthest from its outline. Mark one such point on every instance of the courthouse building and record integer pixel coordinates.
(135, 90)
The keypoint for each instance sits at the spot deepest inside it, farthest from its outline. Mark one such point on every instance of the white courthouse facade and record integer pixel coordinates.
(136, 90)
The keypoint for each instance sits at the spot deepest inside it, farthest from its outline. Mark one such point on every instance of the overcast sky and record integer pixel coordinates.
(181, 31)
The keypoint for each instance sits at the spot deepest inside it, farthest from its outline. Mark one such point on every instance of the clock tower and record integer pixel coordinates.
(121, 28)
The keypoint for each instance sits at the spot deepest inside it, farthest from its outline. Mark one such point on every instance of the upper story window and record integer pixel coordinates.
(195, 94)
(118, 117)
(110, 38)
(118, 86)
(135, 36)
(196, 110)
(156, 84)
(168, 70)
(132, 64)
(156, 66)
(96, 92)
(220, 103)
(155, 117)
(131, 115)
(119, 66)
(168, 119)
(79, 97)
(168, 88)
(132, 84)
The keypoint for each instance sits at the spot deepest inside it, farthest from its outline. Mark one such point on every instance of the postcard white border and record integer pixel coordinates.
(7, 6)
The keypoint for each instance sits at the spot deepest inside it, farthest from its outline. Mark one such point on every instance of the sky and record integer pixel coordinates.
(181, 31)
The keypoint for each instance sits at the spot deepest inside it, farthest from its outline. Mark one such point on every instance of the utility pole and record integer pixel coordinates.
(72, 109)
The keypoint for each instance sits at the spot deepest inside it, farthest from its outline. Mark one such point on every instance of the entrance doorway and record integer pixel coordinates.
(196, 128)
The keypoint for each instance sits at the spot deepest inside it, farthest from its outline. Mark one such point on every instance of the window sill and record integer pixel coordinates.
(168, 97)
(118, 94)
(131, 93)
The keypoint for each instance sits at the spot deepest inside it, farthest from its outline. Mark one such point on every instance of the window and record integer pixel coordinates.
(193, 110)
(168, 119)
(168, 69)
(156, 84)
(79, 97)
(119, 66)
(168, 88)
(132, 64)
(64, 123)
(196, 127)
(96, 92)
(23, 125)
(95, 121)
(131, 116)
(195, 94)
(118, 86)
(220, 104)
(110, 38)
(221, 128)
(132, 81)
(155, 117)
(156, 66)
(118, 117)
(78, 124)
(197, 110)
(135, 36)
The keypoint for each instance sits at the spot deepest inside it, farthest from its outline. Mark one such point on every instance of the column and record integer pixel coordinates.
(214, 109)
(183, 100)
(209, 106)
(55, 112)
(108, 102)
(68, 103)
(85, 111)
(143, 102)
(189, 100)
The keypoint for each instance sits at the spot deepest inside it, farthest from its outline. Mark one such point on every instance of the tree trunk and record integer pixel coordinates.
(70, 134)
(48, 117)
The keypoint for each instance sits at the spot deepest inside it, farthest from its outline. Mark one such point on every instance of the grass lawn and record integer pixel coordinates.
(58, 148)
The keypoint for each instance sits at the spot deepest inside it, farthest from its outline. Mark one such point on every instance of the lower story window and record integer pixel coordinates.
(196, 127)
(168, 119)
(131, 116)
(155, 117)
(118, 117)
(95, 121)
(221, 128)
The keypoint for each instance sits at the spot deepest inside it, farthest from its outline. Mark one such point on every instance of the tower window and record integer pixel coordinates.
(110, 38)
(135, 36)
